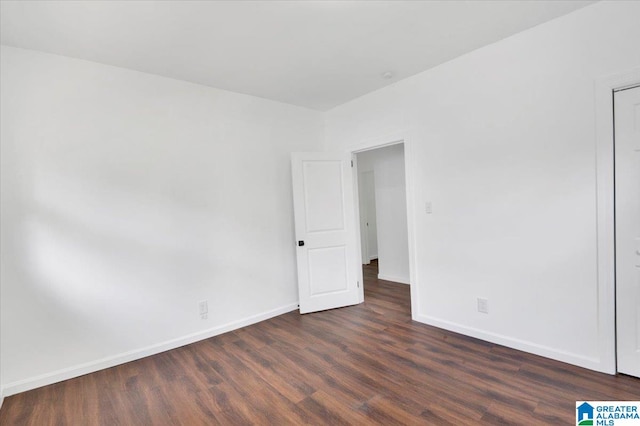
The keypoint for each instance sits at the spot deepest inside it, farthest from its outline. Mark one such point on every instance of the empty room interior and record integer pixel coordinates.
(319, 212)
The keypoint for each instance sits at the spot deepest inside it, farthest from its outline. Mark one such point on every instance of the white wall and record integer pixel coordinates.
(391, 210)
(127, 198)
(502, 141)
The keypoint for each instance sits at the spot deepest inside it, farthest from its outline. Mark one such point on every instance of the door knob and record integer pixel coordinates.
(300, 243)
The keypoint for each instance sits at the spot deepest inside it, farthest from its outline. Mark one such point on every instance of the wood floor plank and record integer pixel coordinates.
(364, 364)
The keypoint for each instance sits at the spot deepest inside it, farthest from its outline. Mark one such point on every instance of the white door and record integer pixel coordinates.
(329, 271)
(372, 227)
(627, 193)
(368, 231)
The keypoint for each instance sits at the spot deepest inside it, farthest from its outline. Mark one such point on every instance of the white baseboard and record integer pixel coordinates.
(108, 362)
(522, 345)
(401, 280)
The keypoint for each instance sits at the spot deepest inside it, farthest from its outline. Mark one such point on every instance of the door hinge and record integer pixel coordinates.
(358, 284)
(351, 163)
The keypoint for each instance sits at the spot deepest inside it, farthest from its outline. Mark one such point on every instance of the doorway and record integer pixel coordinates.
(627, 228)
(382, 200)
(605, 87)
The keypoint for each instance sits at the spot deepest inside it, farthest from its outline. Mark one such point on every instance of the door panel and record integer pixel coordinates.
(627, 194)
(323, 192)
(329, 272)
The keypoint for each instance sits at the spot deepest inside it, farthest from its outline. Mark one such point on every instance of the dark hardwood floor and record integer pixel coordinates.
(365, 364)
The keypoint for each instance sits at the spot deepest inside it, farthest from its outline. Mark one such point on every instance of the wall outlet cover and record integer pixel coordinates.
(483, 305)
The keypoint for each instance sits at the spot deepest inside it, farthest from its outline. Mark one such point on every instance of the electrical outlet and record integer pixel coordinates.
(203, 308)
(483, 305)
(428, 209)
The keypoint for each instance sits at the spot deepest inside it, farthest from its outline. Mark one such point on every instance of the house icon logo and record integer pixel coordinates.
(584, 416)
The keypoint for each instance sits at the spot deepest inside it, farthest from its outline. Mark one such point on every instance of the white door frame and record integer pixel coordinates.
(381, 142)
(605, 190)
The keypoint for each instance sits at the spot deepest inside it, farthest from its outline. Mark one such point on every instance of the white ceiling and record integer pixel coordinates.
(316, 54)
